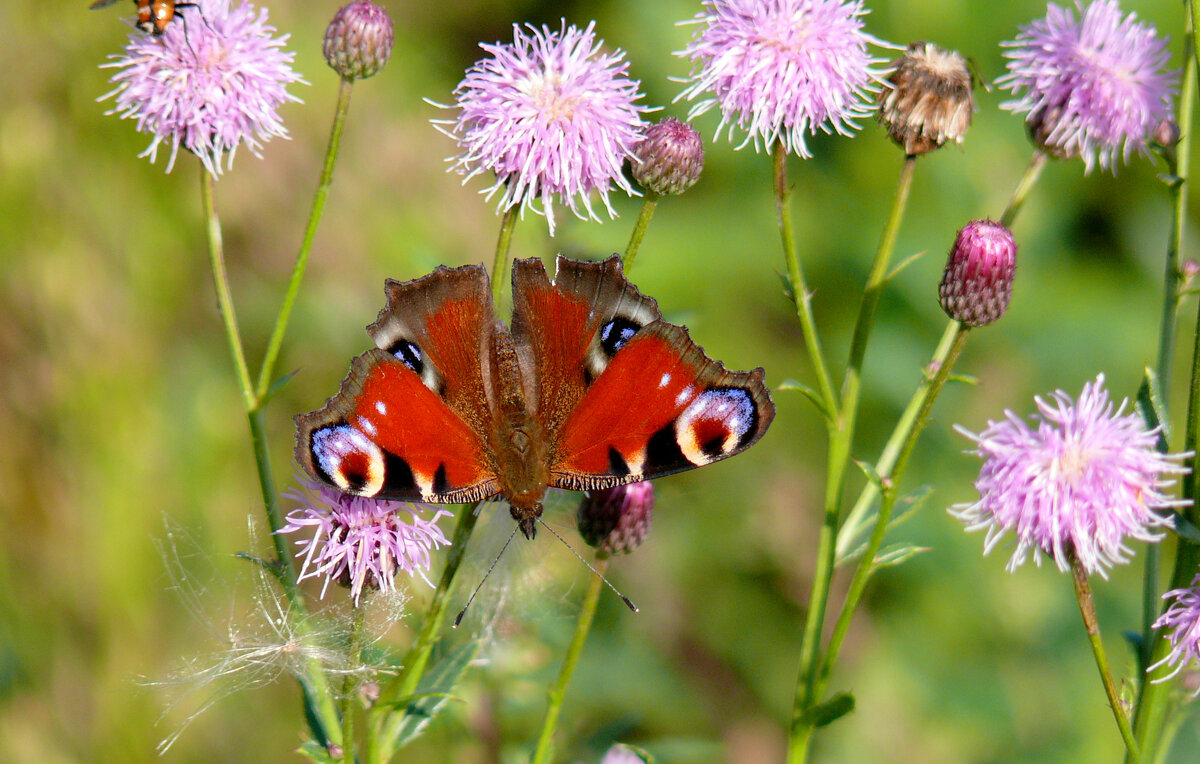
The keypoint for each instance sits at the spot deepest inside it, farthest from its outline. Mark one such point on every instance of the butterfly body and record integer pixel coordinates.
(589, 389)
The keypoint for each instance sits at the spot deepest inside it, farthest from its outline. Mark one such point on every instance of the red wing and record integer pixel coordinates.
(660, 406)
(567, 330)
(413, 418)
(385, 434)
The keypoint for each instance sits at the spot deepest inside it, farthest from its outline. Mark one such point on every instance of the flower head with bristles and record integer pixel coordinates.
(778, 69)
(1182, 623)
(359, 542)
(552, 116)
(1081, 481)
(208, 86)
(1093, 87)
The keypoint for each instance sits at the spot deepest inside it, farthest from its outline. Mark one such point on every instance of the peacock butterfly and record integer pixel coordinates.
(590, 389)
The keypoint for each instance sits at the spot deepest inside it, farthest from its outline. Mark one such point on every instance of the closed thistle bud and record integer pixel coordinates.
(616, 520)
(977, 283)
(358, 42)
(928, 100)
(669, 158)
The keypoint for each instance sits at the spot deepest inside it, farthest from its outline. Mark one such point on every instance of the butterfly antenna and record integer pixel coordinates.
(461, 613)
(187, 39)
(600, 575)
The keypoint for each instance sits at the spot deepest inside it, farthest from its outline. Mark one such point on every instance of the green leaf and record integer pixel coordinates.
(433, 690)
(1150, 405)
(1170, 179)
(876, 479)
(314, 751)
(1185, 529)
(965, 379)
(905, 263)
(787, 286)
(829, 711)
(896, 554)
(276, 386)
(813, 396)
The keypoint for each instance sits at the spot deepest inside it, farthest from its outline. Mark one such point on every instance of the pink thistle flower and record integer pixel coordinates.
(1082, 481)
(212, 82)
(1092, 88)
(1183, 619)
(362, 542)
(551, 116)
(780, 68)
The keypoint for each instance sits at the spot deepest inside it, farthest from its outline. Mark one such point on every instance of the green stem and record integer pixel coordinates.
(216, 256)
(383, 721)
(586, 613)
(891, 450)
(639, 229)
(508, 221)
(800, 294)
(310, 231)
(841, 437)
(1178, 158)
(317, 694)
(350, 685)
(1032, 171)
(1087, 608)
(891, 480)
(1155, 699)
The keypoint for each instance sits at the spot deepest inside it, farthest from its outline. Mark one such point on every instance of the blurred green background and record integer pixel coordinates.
(121, 420)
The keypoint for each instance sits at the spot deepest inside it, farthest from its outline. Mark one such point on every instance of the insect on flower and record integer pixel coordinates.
(153, 15)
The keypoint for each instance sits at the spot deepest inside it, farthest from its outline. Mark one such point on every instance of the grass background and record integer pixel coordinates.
(122, 423)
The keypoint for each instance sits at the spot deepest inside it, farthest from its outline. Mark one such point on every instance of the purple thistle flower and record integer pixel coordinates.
(1183, 619)
(1093, 88)
(362, 542)
(1080, 482)
(780, 68)
(212, 82)
(551, 116)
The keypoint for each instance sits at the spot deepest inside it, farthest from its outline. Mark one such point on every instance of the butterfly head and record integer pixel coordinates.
(526, 509)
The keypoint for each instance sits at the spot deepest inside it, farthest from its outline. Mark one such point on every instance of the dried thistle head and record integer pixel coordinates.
(928, 99)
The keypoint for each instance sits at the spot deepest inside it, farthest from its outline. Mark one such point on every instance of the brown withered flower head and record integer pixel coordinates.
(928, 99)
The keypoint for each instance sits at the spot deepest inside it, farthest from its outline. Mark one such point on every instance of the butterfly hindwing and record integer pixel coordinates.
(411, 420)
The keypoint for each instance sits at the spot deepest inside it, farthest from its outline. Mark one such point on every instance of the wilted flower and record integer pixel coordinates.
(668, 160)
(977, 282)
(1183, 620)
(616, 520)
(928, 99)
(1092, 88)
(208, 87)
(1081, 482)
(358, 42)
(780, 68)
(551, 116)
(362, 542)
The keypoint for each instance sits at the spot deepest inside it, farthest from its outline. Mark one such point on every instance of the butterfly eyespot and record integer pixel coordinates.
(716, 423)
(347, 458)
(615, 333)
(409, 355)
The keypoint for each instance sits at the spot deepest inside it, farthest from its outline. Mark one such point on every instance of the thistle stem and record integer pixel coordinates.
(1154, 699)
(582, 625)
(350, 685)
(800, 294)
(310, 232)
(384, 722)
(1087, 608)
(649, 202)
(508, 222)
(317, 695)
(891, 483)
(1032, 171)
(841, 437)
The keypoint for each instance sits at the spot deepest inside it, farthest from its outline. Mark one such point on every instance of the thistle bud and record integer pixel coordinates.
(928, 100)
(616, 520)
(669, 158)
(358, 42)
(977, 283)
(1042, 125)
(1167, 133)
